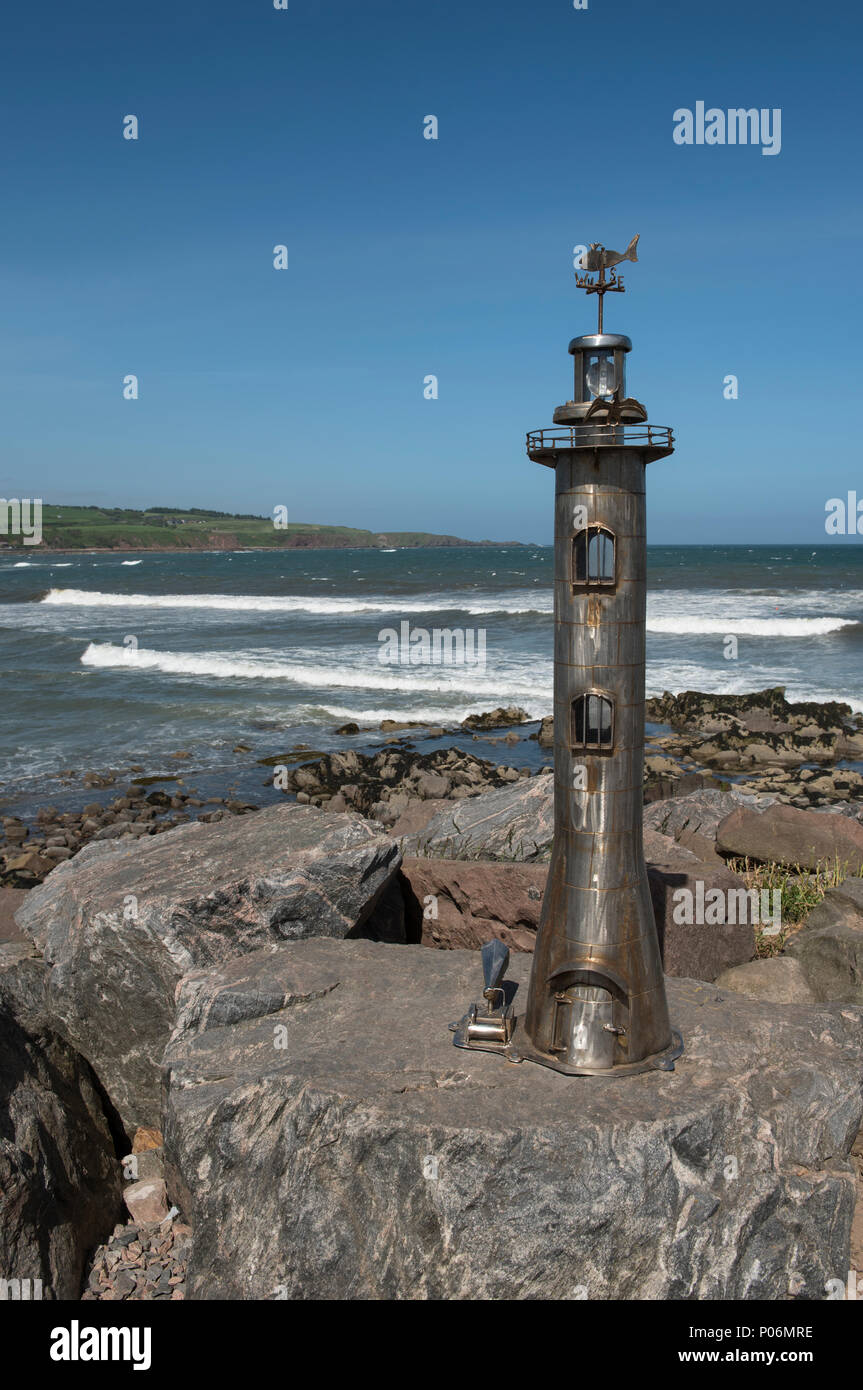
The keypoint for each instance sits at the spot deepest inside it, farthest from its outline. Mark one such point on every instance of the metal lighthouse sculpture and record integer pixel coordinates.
(596, 1004)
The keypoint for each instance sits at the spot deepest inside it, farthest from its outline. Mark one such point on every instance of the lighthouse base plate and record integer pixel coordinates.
(521, 1049)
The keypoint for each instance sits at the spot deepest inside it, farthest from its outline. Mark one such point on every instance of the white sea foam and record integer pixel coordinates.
(743, 626)
(131, 562)
(731, 680)
(466, 690)
(465, 680)
(48, 565)
(299, 603)
(677, 614)
(720, 603)
(426, 714)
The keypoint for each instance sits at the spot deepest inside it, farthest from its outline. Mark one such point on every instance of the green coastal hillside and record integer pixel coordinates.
(194, 528)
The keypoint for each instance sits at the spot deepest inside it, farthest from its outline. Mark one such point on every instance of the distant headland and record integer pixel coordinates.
(197, 528)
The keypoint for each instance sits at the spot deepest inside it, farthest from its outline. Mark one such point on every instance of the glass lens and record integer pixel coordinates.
(601, 376)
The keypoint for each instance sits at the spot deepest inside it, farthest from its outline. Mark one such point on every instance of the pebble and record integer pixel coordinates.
(140, 1263)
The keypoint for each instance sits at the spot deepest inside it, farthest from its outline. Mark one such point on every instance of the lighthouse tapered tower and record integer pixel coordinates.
(597, 1001)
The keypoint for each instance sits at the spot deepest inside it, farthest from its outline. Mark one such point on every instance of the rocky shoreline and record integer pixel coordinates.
(802, 755)
(795, 751)
(193, 986)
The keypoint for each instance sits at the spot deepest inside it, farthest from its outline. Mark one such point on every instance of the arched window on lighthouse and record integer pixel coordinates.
(592, 721)
(593, 557)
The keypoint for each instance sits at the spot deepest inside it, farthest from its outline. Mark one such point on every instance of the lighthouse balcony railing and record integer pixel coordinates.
(659, 439)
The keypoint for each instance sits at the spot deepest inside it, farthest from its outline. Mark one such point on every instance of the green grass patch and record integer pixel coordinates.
(195, 528)
(802, 890)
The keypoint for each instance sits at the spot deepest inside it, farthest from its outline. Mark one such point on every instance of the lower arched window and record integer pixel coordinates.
(592, 721)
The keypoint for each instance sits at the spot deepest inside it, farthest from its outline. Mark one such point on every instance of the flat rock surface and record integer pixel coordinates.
(417, 816)
(699, 813)
(515, 822)
(777, 980)
(378, 1161)
(122, 922)
(787, 835)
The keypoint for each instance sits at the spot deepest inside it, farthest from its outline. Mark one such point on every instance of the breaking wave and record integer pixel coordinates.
(299, 603)
(688, 625)
(683, 620)
(466, 680)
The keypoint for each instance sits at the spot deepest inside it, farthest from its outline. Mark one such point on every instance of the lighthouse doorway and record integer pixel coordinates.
(588, 1021)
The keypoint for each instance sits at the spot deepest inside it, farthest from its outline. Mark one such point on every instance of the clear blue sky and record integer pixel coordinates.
(410, 256)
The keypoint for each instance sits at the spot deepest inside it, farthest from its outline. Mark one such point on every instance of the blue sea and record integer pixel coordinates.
(116, 659)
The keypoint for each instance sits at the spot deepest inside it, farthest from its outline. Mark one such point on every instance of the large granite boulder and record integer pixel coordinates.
(59, 1175)
(829, 947)
(517, 824)
(514, 822)
(776, 980)
(417, 815)
(121, 923)
(704, 916)
(453, 903)
(798, 839)
(694, 819)
(331, 1143)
